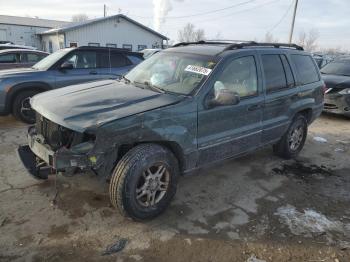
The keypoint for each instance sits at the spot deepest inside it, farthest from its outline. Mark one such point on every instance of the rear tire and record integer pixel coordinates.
(21, 109)
(293, 140)
(144, 181)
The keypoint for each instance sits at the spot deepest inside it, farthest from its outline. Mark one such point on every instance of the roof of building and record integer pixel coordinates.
(73, 26)
(29, 21)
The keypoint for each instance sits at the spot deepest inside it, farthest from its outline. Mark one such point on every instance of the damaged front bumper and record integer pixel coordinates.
(337, 104)
(40, 160)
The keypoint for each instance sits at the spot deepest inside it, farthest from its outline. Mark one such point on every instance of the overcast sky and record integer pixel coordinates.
(248, 21)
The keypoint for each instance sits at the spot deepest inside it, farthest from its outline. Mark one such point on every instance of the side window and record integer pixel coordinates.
(32, 58)
(288, 71)
(82, 60)
(119, 60)
(275, 77)
(306, 69)
(102, 60)
(135, 59)
(239, 76)
(8, 58)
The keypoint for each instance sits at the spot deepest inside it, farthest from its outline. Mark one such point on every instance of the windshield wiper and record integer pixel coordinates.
(126, 80)
(155, 88)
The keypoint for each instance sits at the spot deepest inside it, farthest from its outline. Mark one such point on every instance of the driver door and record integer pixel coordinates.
(226, 131)
(84, 69)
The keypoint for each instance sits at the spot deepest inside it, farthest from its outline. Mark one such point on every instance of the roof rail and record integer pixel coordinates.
(275, 45)
(238, 44)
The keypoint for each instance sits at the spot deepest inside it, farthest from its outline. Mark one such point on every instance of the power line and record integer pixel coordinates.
(282, 18)
(203, 13)
(238, 12)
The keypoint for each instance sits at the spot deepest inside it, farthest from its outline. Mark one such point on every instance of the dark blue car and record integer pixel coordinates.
(65, 67)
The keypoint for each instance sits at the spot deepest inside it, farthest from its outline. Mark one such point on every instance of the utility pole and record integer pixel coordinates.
(293, 22)
(104, 10)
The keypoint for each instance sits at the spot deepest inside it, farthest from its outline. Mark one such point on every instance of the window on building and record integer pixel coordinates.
(306, 69)
(111, 45)
(50, 47)
(141, 47)
(8, 58)
(44, 46)
(119, 60)
(275, 77)
(127, 46)
(73, 44)
(82, 60)
(239, 76)
(94, 44)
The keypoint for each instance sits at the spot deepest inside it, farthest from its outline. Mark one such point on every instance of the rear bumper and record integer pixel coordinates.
(337, 104)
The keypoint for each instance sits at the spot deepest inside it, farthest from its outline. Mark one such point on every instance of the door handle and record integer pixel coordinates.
(93, 73)
(254, 107)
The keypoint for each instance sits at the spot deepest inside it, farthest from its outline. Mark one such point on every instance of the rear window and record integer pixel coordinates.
(275, 77)
(306, 69)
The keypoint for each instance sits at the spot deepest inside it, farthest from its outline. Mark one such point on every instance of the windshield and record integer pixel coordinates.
(172, 72)
(50, 60)
(337, 68)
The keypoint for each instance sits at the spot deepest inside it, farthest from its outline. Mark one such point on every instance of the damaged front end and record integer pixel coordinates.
(53, 148)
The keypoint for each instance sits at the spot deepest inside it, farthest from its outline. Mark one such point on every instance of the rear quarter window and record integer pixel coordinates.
(306, 69)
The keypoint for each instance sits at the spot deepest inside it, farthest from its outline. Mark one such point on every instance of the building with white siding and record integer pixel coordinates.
(112, 31)
(25, 30)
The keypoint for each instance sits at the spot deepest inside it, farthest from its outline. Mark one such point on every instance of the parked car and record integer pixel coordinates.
(321, 60)
(181, 109)
(6, 42)
(65, 67)
(336, 75)
(13, 46)
(149, 52)
(14, 58)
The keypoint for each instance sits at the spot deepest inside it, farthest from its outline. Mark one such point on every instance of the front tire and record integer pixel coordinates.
(21, 108)
(293, 140)
(144, 181)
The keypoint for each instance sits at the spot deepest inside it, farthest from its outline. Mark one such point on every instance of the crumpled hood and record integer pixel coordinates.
(17, 72)
(336, 81)
(92, 104)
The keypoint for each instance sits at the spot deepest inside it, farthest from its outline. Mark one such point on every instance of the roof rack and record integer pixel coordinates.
(238, 44)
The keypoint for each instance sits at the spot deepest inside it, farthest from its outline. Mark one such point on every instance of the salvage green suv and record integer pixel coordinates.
(183, 108)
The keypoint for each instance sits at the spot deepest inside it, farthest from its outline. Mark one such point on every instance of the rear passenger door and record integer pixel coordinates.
(280, 94)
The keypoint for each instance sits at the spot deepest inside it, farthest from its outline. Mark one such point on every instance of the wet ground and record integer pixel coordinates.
(256, 208)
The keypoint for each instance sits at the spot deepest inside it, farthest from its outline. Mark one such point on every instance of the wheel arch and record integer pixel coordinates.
(172, 146)
(16, 89)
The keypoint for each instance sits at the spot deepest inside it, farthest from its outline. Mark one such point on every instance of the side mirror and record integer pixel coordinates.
(66, 66)
(224, 97)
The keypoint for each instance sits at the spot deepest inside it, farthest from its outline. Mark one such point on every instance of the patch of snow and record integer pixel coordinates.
(254, 259)
(308, 221)
(320, 139)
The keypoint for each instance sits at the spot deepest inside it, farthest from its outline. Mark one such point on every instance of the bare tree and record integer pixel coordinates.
(80, 18)
(269, 38)
(308, 40)
(190, 34)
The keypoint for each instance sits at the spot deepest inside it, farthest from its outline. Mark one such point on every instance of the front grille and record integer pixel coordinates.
(54, 135)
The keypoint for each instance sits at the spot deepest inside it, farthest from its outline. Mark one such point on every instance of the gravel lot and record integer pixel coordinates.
(256, 208)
